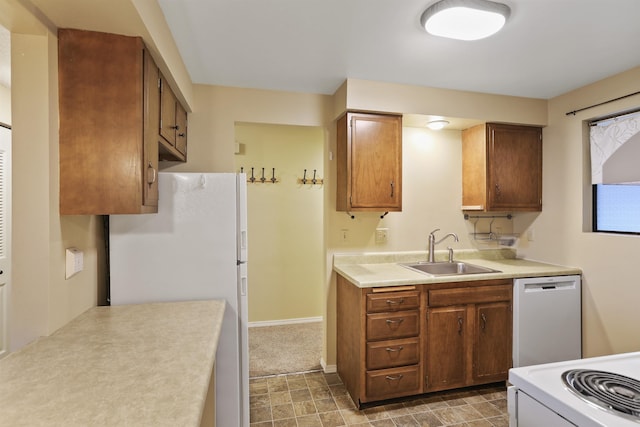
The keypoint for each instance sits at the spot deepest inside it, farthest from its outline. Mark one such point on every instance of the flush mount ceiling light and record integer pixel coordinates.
(437, 124)
(465, 19)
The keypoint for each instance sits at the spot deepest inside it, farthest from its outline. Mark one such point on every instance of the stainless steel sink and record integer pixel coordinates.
(455, 268)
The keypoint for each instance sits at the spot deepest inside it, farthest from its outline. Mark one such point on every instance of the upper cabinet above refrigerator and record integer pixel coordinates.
(109, 99)
(502, 168)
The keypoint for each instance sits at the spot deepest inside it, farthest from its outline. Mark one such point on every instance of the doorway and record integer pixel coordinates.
(285, 229)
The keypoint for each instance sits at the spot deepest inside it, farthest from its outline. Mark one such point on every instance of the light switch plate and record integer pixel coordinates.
(381, 235)
(74, 262)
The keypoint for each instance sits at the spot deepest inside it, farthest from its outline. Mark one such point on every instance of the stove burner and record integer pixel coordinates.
(607, 390)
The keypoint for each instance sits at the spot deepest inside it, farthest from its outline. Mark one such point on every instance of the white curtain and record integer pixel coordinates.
(610, 162)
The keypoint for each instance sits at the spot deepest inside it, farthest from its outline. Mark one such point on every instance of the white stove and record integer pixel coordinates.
(544, 395)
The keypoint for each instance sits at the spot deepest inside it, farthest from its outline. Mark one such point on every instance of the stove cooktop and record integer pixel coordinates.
(550, 384)
(608, 390)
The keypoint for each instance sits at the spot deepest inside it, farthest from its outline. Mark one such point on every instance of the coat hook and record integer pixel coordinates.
(304, 177)
(252, 179)
(263, 179)
(314, 177)
(273, 175)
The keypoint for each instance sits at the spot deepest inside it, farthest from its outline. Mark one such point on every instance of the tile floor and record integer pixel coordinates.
(321, 400)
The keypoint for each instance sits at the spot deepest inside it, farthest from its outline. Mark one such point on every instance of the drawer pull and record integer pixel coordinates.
(390, 321)
(484, 321)
(399, 348)
(400, 301)
(459, 325)
(394, 378)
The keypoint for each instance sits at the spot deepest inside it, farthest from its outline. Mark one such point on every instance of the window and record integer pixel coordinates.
(615, 150)
(616, 208)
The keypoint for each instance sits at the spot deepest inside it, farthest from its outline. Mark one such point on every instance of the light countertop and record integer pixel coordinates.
(382, 269)
(130, 365)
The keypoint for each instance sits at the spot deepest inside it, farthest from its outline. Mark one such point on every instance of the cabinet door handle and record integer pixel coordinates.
(399, 348)
(152, 174)
(182, 135)
(394, 377)
(389, 321)
(392, 187)
(400, 301)
(483, 325)
(460, 325)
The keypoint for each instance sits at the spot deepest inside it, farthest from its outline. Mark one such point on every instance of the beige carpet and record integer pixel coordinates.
(285, 349)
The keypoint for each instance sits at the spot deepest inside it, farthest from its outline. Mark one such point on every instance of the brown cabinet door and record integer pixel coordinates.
(493, 340)
(514, 169)
(446, 347)
(167, 113)
(103, 158)
(376, 161)
(181, 129)
(151, 124)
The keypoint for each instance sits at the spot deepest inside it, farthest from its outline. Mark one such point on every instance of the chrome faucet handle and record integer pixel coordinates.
(450, 249)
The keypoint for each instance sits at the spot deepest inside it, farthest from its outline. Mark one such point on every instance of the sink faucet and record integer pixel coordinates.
(433, 243)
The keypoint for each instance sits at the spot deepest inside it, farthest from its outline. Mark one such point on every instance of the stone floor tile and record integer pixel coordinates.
(326, 405)
(300, 395)
(259, 414)
(279, 412)
(427, 419)
(309, 421)
(331, 419)
(304, 408)
(405, 421)
(289, 422)
(280, 397)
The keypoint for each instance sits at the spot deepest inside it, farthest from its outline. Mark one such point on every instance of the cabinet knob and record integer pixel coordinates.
(182, 135)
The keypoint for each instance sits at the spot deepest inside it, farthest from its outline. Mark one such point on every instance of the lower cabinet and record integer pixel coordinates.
(408, 340)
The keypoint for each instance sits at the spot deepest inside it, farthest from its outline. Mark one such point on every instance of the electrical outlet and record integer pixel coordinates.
(74, 262)
(530, 235)
(381, 235)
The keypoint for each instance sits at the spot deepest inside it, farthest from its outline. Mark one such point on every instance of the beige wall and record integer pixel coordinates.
(5, 105)
(611, 288)
(285, 220)
(41, 299)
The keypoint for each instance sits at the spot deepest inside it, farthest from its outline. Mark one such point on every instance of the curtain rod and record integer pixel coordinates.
(601, 103)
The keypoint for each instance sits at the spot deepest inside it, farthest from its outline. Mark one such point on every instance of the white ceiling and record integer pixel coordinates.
(547, 48)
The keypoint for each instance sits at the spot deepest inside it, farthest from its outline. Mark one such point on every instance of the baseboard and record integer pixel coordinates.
(285, 322)
(328, 369)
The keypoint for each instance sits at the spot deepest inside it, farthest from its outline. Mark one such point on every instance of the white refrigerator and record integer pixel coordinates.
(194, 248)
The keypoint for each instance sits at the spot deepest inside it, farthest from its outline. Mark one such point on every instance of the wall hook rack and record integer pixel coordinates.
(313, 181)
(263, 179)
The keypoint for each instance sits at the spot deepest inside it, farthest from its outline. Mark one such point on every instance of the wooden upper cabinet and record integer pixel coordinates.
(173, 125)
(107, 160)
(369, 162)
(502, 168)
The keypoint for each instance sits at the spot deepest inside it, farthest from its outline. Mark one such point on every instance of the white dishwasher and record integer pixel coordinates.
(547, 320)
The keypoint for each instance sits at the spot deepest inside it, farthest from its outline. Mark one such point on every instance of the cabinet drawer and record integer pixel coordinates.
(388, 383)
(402, 324)
(470, 295)
(393, 301)
(388, 354)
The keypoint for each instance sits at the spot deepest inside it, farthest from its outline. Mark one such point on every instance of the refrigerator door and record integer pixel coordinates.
(189, 251)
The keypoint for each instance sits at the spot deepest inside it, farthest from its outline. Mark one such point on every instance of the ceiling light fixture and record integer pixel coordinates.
(465, 19)
(437, 124)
